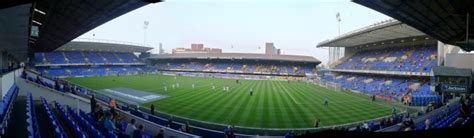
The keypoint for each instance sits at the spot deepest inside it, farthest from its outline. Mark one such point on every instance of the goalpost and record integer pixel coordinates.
(333, 85)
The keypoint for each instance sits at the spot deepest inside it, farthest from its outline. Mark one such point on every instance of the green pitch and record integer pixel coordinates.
(274, 104)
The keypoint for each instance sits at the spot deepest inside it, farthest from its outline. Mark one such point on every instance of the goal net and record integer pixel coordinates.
(334, 86)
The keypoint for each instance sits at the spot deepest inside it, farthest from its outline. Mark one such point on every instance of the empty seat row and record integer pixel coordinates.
(77, 57)
(31, 119)
(6, 107)
(57, 129)
(91, 71)
(413, 59)
(88, 127)
(72, 125)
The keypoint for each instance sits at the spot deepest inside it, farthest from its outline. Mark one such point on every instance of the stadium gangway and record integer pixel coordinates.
(147, 124)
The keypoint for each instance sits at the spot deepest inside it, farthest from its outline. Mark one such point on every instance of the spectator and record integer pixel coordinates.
(365, 126)
(152, 109)
(130, 128)
(382, 123)
(408, 123)
(464, 107)
(289, 134)
(160, 134)
(227, 131)
(138, 133)
(170, 121)
(112, 105)
(187, 128)
(316, 123)
(394, 111)
(98, 113)
(93, 103)
(108, 123)
(427, 124)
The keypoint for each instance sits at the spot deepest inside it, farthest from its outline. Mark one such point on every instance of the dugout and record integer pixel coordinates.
(452, 81)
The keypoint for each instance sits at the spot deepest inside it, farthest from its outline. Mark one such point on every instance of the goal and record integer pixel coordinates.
(334, 86)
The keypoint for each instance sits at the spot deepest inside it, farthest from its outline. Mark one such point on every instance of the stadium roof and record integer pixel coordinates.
(383, 31)
(103, 46)
(444, 20)
(249, 56)
(14, 30)
(60, 21)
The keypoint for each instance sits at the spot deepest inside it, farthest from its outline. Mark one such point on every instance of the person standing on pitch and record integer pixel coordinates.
(326, 102)
(166, 89)
(192, 85)
(251, 91)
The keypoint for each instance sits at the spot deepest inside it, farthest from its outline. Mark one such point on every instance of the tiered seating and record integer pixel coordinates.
(89, 119)
(55, 58)
(128, 57)
(251, 67)
(111, 58)
(6, 106)
(32, 121)
(90, 71)
(387, 86)
(39, 58)
(76, 57)
(442, 120)
(94, 57)
(52, 120)
(415, 59)
(85, 125)
(71, 124)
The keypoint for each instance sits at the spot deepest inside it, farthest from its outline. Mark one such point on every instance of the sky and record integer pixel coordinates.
(294, 26)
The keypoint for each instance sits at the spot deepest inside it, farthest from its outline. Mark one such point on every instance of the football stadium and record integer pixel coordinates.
(411, 75)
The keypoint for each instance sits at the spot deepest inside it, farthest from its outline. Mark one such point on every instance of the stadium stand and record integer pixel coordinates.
(82, 58)
(387, 87)
(241, 63)
(67, 121)
(68, 61)
(244, 67)
(413, 59)
(387, 67)
(58, 108)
